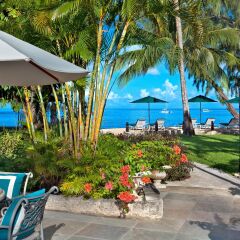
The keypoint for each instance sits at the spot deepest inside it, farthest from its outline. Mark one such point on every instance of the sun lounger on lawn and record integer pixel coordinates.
(233, 123)
(208, 123)
(139, 125)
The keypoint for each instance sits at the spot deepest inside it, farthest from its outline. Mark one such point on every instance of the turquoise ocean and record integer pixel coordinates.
(117, 117)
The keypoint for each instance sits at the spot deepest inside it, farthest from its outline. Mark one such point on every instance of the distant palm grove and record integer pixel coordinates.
(118, 40)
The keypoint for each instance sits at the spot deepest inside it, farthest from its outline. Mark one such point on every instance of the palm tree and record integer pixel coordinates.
(187, 122)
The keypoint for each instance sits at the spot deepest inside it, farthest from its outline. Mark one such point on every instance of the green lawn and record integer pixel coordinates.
(218, 151)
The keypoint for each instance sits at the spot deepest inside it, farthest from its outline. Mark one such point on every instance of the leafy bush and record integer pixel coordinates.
(151, 155)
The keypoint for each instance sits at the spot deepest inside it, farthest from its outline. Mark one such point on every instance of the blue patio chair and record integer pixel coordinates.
(14, 184)
(25, 215)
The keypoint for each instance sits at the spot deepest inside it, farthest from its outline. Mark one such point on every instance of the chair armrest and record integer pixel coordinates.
(4, 227)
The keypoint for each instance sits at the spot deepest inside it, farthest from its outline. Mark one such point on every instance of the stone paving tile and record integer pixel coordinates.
(176, 213)
(208, 216)
(182, 236)
(197, 229)
(181, 196)
(65, 227)
(179, 204)
(165, 225)
(103, 231)
(213, 207)
(148, 235)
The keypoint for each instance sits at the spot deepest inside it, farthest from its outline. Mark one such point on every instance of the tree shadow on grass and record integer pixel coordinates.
(221, 230)
(51, 230)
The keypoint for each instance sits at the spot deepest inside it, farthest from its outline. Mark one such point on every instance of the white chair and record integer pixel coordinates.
(208, 123)
(233, 123)
(140, 125)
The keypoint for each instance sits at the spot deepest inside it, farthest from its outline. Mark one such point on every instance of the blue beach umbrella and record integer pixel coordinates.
(149, 100)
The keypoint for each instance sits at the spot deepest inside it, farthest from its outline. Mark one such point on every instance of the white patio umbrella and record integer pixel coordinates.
(22, 64)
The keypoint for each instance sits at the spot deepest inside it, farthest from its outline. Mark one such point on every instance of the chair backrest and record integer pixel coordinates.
(12, 183)
(209, 121)
(160, 123)
(24, 215)
(194, 121)
(233, 122)
(140, 123)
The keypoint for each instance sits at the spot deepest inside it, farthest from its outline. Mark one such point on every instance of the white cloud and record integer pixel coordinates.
(144, 93)
(113, 95)
(128, 96)
(153, 71)
(157, 90)
(168, 90)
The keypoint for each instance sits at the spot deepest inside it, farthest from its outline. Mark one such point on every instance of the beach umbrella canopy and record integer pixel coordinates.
(22, 64)
(234, 100)
(149, 100)
(200, 99)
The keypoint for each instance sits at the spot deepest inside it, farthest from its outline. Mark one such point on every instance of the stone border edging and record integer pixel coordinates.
(105, 207)
(217, 173)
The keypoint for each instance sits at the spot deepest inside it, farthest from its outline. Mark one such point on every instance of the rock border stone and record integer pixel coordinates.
(105, 207)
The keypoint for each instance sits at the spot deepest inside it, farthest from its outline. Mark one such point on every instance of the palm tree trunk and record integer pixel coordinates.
(224, 98)
(187, 122)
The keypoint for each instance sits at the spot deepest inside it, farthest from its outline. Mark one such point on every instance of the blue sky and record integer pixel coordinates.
(158, 83)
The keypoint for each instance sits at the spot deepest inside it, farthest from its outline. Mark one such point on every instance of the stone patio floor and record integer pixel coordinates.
(205, 207)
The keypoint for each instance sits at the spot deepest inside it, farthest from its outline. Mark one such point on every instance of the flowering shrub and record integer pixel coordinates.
(150, 155)
(181, 169)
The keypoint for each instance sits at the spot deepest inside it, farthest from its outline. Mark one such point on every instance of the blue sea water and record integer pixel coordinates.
(117, 118)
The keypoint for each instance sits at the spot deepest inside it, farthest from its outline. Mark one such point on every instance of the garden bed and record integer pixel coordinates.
(105, 207)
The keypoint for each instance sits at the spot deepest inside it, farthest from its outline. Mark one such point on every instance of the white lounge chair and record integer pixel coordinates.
(194, 123)
(233, 123)
(208, 123)
(139, 125)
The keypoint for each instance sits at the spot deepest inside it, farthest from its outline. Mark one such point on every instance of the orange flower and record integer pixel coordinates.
(109, 186)
(146, 180)
(184, 158)
(139, 153)
(88, 187)
(126, 197)
(177, 149)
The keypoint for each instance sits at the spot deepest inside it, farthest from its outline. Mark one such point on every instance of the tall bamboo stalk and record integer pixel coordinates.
(98, 119)
(72, 122)
(65, 123)
(94, 76)
(58, 111)
(44, 115)
(29, 113)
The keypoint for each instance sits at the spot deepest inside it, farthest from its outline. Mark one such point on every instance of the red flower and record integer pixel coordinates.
(126, 197)
(88, 187)
(146, 180)
(109, 186)
(184, 158)
(177, 149)
(125, 169)
(139, 153)
(124, 180)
